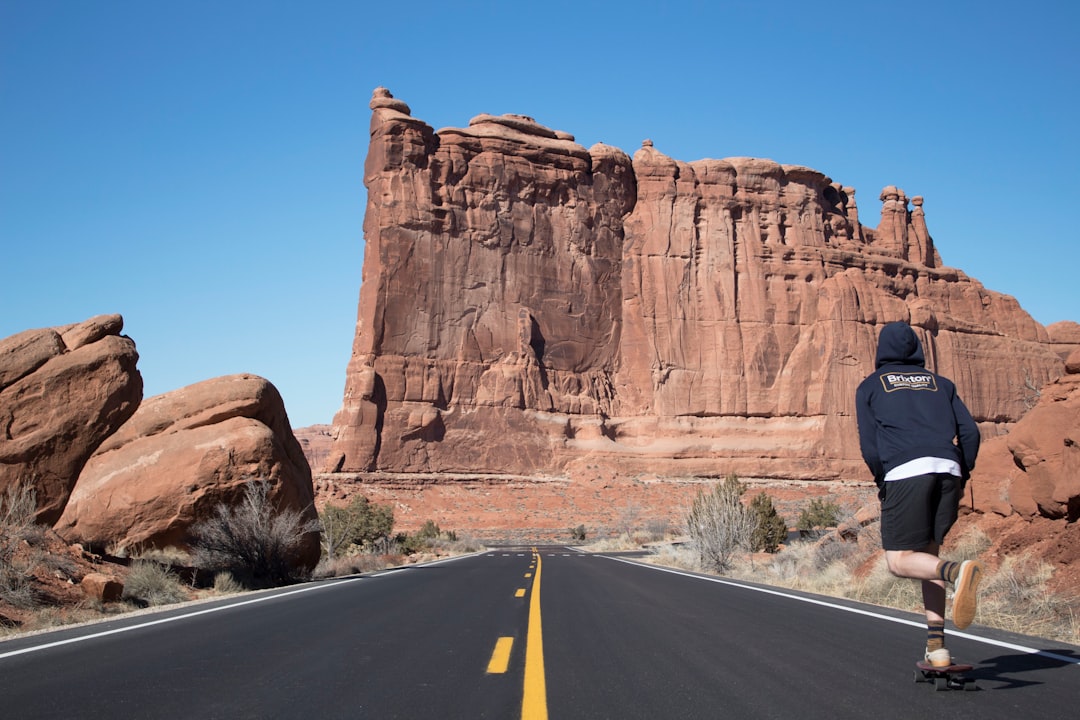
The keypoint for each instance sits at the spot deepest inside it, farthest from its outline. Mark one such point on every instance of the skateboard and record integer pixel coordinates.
(945, 678)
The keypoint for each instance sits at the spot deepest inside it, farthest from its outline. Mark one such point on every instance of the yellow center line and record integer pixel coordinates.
(534, 700)
(500, 657)
(520, 592)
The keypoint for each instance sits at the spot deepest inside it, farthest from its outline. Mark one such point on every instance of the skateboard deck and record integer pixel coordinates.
(951, 677)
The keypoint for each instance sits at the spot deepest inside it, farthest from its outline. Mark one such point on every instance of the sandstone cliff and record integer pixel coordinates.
(528, 304)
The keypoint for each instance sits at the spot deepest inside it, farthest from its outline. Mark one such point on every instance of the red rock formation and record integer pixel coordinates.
(63, 391)
(1035, 469)
(529, 305)
(181, 455)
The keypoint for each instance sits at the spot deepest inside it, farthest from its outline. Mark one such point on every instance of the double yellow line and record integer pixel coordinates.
(534, 699)
(534, 696)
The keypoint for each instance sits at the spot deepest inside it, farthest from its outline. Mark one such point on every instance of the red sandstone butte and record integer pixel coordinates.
(529, 305)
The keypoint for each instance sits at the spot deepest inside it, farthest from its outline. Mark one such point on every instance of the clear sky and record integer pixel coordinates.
(198, 166)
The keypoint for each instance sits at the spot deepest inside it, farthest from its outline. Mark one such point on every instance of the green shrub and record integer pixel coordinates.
(360, 523)
(818, 515)
(770, 529)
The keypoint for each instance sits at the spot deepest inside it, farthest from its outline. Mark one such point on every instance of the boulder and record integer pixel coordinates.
(180, 456)
(1034, 471)
(63, 391)
(102, 587)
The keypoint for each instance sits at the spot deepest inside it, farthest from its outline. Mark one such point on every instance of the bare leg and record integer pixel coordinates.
(921, 565)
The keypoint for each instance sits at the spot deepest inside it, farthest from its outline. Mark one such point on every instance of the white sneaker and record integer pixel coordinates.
(939, 658)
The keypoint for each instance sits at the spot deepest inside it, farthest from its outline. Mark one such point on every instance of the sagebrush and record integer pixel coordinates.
(254, 541)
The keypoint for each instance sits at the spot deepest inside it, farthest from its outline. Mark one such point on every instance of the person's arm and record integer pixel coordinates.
(867, 423)
(967, 435)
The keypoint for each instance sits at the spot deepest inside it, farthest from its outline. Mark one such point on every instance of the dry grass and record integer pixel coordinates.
(1013, 597)
(20, 538)
(150, 584)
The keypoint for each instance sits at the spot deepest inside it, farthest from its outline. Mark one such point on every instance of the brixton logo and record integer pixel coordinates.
(908, 381)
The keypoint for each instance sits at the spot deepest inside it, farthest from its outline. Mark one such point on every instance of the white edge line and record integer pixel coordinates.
(174, 618)
(219, 608)
(857, 611)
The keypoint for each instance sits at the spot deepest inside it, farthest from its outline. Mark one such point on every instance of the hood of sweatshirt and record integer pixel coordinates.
(899, 344)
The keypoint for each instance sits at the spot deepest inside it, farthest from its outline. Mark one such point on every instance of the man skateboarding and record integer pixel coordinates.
(920, 442)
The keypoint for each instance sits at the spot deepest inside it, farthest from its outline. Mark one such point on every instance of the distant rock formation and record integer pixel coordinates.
(63, 391)
(528, 304)
(179, 456)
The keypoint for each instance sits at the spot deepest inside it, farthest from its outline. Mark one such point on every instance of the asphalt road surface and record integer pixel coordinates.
(517, 633)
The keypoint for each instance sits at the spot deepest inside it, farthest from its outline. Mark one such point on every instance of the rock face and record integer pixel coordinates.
(181, 455)
(1035, 469)
(63, 390)
(528, 305)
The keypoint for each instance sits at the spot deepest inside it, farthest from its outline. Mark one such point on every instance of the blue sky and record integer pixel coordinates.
(198, 166)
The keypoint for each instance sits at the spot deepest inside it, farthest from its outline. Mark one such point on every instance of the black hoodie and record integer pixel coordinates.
(906, 412)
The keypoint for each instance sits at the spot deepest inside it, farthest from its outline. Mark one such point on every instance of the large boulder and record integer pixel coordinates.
(181, 455)
(1035, 469)
(63, 390)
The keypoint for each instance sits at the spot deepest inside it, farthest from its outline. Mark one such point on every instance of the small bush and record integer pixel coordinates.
(577, 534)
(226, 584)
(253, 541)
(360, 524)
(720, 525)
(149, 584)
(19, 533)
(818, 516)
(770, 529)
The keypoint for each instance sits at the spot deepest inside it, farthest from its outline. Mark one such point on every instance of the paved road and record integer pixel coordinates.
(510, 633)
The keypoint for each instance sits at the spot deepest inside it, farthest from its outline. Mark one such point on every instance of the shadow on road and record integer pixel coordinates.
(1008, 670)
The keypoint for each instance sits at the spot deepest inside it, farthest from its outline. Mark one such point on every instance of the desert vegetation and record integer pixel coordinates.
(833, 554)
(20, 545)
(245, 546)
(252, 541)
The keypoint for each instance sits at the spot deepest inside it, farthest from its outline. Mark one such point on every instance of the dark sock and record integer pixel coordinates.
(935, 635)
(948, 570)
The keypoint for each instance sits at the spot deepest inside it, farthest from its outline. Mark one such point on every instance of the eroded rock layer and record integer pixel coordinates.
(528, 304)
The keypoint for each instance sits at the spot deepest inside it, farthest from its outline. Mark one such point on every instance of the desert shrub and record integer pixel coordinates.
(968, 546)
(149, 584)
(226, 584)
(832, 549)
(353, 565)
(428, 538)
(770, 529)
(359, 524)
(253, 541)
(656, 529)
(818, 515)
(1015, 598)
(720, 525)
(19, 533)
(577, 534)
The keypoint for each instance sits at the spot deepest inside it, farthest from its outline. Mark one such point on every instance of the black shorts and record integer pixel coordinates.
(918, 511)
